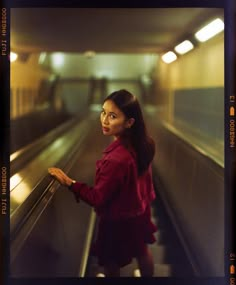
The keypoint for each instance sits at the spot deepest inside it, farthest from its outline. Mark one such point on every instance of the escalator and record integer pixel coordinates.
(51, 234)
(38, 234)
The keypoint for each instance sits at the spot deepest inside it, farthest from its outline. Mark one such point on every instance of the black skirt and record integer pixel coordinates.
(121, 240)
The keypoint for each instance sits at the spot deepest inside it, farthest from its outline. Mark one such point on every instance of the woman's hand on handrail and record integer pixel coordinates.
(60, 176)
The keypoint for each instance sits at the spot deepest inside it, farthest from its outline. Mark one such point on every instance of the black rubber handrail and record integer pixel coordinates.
(187, 138)
(27, 153)
(26, 214)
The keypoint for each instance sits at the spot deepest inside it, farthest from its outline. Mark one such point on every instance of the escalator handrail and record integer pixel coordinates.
(186, 138)
(196, 146)
(40, 186)
(40, 203)
(25, 154)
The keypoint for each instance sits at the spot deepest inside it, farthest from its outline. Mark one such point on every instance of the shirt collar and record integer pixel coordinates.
(112, 145)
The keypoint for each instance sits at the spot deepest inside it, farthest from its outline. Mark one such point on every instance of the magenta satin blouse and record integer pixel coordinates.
(118, 191)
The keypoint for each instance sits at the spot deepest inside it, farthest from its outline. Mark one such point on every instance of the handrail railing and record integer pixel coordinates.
(25, 154)
(88, 241)
(25, 214)
(195, 140)
(197, 144)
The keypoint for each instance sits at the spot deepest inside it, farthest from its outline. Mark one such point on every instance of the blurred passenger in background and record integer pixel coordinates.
(123, 189)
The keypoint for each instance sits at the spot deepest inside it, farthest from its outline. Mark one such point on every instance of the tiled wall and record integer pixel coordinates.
(25, 80)
(22, 101)
(202, 109)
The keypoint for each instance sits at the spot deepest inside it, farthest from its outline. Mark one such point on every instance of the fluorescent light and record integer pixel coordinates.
(58, 59)
(42, 57)
(13, 56)
(169, 57)
(210, 30)
(184, 47)
(89, 53)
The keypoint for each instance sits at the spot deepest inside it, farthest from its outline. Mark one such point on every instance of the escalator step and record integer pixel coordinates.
(162, 270)
(159, 253)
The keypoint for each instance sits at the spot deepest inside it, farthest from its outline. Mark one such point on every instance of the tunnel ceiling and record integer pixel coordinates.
(127, 41)
(106, 30)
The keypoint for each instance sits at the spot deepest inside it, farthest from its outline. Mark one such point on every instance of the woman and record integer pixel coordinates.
(123, 187)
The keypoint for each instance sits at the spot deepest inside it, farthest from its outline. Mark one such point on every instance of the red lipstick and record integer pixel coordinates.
(105, 129)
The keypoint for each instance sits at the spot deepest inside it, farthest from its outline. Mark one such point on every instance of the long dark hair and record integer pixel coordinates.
(136, 136)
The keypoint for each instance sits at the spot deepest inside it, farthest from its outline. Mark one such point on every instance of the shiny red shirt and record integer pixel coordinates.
(118, 191)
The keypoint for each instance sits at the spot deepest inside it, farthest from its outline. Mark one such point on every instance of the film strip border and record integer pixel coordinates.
(230, 147)
(4, 141)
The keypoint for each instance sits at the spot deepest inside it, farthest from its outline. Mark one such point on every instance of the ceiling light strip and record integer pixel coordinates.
(13, 56)
(210, 30)
(184, 47)
(169, 57)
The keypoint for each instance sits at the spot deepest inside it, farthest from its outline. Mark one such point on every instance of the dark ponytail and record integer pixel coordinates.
(136, 136)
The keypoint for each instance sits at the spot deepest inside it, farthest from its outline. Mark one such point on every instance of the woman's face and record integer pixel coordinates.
(113, 120)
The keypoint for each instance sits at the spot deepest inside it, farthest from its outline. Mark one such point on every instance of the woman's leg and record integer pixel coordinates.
(112, 270)
(145, 263)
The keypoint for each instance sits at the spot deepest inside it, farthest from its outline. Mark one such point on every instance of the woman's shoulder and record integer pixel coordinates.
(117, 160)
(120, 155)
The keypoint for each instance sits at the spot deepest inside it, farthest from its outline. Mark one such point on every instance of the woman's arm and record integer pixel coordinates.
(108, 181)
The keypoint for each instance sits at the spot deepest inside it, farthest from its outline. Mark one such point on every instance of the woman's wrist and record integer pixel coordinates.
(70, 184)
